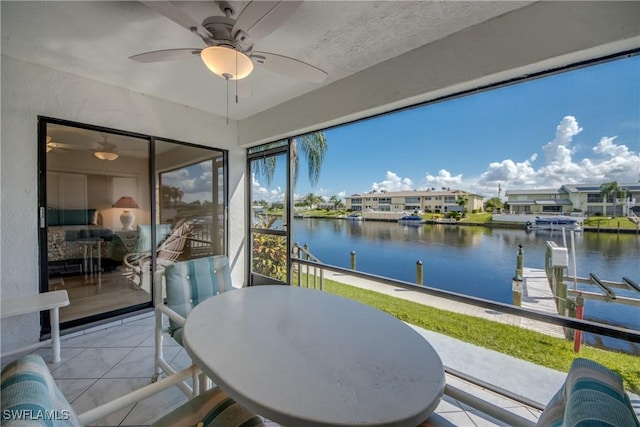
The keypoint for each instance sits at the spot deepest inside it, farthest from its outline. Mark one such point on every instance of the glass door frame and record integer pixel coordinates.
(41, 220)
(280, 148)
(43, 121)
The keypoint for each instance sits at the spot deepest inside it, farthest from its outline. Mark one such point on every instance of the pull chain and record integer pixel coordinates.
(236, 74)
(226, 77)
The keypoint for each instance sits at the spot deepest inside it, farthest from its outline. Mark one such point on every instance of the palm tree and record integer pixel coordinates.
(461, 201)
(176, 194)
(165, 195)
(494, 204)
(621, 197)
(335, 201)
(614, 191)
(312, 200)
(312, 145)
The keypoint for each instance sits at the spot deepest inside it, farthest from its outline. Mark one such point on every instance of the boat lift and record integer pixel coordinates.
(607, 290)
(631, 283)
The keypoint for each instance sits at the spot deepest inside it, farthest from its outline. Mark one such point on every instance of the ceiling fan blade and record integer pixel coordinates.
(176, 14)
(166, 55)
(54, 144)
(259, 18)
(289, 66)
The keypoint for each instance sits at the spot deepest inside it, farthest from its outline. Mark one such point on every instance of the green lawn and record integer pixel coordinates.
(609, 222)
(524, 344)
(478, 217)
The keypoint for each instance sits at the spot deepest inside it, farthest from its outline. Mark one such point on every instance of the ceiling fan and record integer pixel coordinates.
(103, 150)
(229, 42)
(51, 144)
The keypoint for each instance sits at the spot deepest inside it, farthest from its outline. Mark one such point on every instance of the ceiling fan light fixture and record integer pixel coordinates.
(105, 155)
(226, 62)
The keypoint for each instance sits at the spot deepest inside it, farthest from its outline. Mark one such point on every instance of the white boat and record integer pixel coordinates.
(412, 220)
(555, 222)
(355, 217)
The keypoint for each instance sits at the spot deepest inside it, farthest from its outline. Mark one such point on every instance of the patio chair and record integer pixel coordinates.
(592, 395)
(30, 396)
(187, 284)
(168, 252)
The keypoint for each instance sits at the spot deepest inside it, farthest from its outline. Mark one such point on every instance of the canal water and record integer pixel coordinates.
(475, 260)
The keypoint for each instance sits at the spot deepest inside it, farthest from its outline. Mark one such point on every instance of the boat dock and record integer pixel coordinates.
(537, 295)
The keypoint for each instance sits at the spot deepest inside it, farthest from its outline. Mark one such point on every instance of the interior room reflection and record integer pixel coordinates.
(95, 181)
(99, 215)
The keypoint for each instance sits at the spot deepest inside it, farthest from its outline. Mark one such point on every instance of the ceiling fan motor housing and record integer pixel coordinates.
(220, 28)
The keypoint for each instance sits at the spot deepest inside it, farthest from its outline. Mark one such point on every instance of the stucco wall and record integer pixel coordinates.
(29, 91)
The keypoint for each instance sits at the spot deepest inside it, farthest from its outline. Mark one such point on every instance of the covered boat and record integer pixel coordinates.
(412, 220)
(555, 222)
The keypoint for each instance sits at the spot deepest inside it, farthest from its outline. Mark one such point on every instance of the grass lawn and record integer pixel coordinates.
(524, 344)
(609, 222)
(478, 217)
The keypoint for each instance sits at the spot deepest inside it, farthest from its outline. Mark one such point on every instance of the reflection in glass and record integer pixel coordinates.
(94, 179)
(190, 190)
(102, 224)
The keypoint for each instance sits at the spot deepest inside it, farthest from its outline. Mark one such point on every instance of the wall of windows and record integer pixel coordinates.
(531, 135)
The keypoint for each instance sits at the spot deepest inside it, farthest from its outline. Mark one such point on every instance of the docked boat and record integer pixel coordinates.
(355, 217)
(412, 220)
(556, 222)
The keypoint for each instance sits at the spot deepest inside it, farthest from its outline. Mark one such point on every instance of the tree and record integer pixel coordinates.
(312, 200)
(462, 200)
(610, 190)
(606, 191)
(312, 145)
(169, 194)
(335, 201)
(493, 204)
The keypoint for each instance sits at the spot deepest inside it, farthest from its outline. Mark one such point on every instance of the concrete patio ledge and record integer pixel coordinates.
(509, 373)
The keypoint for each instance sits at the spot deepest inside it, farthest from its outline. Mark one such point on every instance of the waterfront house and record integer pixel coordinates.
(582, 198)
(65, 71)
(428, 201)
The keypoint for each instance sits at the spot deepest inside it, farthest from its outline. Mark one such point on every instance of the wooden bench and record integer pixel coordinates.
(51, 301)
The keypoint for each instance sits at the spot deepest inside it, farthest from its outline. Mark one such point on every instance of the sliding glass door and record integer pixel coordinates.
(109, 200)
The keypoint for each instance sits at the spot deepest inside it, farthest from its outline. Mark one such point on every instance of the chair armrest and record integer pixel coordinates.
(135, 396)
(171, 314)
(27, 384)
(133, 259)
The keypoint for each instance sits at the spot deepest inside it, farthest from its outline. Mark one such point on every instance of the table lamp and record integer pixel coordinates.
(126, 202)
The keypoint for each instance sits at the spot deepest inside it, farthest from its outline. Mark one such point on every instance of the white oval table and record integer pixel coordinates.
(303, 357)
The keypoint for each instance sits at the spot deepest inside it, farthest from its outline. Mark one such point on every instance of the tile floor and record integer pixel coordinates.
(100, 365)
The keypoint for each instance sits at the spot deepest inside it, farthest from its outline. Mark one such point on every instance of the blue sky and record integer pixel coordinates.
(574, 127)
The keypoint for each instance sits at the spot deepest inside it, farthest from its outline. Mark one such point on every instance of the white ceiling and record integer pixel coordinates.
(95, 40)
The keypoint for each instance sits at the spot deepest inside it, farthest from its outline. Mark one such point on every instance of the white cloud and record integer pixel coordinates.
(557, 150)
(393, 182)
(611, 162)
(270, 195)
(443, 179)
(519, 173)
